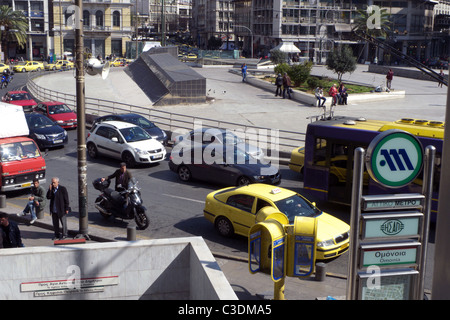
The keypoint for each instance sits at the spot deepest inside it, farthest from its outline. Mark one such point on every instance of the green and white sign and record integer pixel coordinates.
(391, 225)
(391, 254)
(394, 158)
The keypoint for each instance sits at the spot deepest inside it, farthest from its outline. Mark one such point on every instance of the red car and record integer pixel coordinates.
(20, 98)
(58, 112)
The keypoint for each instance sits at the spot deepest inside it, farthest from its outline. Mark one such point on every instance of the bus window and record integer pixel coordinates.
(320, 152)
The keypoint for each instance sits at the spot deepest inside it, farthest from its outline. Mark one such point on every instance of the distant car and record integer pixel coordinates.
(226, 165)
(3, 67)
(25, 66)
(191, 56)
(45, 132)
(59, 112)
(118, 62)
(20, 98)
(125, 141)
(236, 210)
(206, 136)
(60, 64)
(151, 128)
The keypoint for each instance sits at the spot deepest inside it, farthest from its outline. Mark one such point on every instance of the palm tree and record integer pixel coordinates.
(14, 27)
(375, 24)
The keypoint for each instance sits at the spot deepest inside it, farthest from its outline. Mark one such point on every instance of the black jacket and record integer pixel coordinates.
(126, 178)
(60, 199)
(13, 240)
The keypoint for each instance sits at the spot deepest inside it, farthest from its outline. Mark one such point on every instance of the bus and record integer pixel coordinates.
(326, 160)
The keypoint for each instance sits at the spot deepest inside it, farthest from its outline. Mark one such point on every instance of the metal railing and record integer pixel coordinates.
(177, 123)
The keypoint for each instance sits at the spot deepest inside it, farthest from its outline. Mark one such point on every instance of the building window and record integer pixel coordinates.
(86, 18)
(116, 19)
(99, 18)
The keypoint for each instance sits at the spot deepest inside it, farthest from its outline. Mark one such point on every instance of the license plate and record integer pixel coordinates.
(69, 123)
(26, 185)
(157, 157)
(57, 141)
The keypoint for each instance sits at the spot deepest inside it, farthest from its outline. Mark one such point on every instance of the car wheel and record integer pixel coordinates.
(38, 69)
(23, 70)
(54, 68)
(92, 150)
(242, 181)
(128, 158)
(184, 173)
(224, 227)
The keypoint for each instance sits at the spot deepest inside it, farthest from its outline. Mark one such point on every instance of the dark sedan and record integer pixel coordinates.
(140, 121)
(45, 132)
(225, 165)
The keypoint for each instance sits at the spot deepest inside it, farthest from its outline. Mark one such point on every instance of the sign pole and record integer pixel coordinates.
(354, 222)
(427, 191)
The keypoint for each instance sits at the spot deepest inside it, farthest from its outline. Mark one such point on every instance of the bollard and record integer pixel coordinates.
(131, 233)
(320, 271)
(2, 201)
(40, 214)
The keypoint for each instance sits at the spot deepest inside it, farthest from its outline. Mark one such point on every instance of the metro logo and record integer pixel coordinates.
(396, 156)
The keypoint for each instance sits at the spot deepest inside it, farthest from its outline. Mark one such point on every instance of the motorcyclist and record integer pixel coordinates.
(7, 75)
(122, 175)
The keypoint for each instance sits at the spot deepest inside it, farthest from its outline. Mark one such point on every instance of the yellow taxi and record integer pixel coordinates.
(191, 56)
(235, 210)
(25, 66)
(3, 67)
(59, 64)
(297, 160)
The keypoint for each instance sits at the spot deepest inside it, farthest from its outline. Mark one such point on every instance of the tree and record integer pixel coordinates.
(14, 28)
(300, 72)
(278, 56)
(373, 21)
(341, 60)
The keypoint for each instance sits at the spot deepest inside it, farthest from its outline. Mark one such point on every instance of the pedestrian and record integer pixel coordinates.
(279, 84)
(286, 85)
(244, 72)
(441, 78)
(59, 207)
(333, 92)
(343, 94)
(320, 97)
(10, 233)
(36, 201)
(389, 77)
(122, 176)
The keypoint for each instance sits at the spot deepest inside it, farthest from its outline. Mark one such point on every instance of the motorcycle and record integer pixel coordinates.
(125, 204)
(6, 79)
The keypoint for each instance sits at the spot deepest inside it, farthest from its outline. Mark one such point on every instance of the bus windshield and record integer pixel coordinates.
(18, 151)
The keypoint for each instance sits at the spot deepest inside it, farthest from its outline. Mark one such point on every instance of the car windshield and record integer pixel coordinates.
(58, 109)
(20, 96)
(22, 63)
(39, 122)
(18, 151)
(134, 134)
(296, 206)
(141, 122)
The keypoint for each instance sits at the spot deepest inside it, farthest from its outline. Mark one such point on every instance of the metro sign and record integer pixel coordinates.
(394, 158)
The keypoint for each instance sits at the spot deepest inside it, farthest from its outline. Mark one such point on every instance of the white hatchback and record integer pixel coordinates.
(124, 141)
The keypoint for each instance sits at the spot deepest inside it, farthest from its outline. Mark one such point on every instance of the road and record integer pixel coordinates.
(176, 208)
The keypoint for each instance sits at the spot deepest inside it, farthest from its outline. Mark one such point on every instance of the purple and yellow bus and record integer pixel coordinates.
(326, 160)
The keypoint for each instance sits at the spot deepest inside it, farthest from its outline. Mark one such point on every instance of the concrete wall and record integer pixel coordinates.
(180, 268)
(403, 72)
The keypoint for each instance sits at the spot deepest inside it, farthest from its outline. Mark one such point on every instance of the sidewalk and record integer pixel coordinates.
(246, 286)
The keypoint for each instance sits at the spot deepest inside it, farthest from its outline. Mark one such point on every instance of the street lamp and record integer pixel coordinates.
(251, 37)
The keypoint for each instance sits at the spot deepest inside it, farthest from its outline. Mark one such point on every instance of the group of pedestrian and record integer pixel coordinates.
(284, 85)
(338, 95)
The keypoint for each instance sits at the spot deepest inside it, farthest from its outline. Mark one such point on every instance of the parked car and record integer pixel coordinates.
(236, 210)
(125, 141)
(20, 98)
(60, 64)
(140, 121)
(223, 164)
(25, 66)
(206, 136)
(45, 132)
(58, 112)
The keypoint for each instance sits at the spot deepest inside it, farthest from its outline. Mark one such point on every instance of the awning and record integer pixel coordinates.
(288, 47)
(342, 27)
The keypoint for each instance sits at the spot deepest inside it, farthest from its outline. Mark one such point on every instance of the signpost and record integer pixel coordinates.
(389, 233)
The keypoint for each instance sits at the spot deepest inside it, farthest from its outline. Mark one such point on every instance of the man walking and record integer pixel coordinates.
(59, 207)
(244, 72)
(389, 77)
(279, 84)
(286, 85)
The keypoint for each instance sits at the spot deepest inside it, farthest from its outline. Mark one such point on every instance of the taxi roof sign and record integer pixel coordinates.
(275, 191)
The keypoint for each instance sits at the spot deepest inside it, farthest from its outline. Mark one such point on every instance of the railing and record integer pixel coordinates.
(170, 121)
